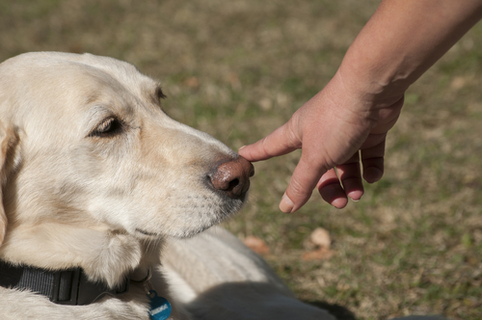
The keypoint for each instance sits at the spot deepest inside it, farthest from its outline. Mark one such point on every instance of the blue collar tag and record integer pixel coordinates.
(160, 308)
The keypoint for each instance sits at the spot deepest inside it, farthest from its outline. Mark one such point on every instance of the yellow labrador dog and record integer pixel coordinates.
(104, 199)
(97, 181)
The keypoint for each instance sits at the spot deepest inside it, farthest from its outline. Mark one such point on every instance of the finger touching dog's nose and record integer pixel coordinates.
(233, 177)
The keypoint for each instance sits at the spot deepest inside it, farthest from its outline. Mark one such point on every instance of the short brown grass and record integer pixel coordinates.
(238, 70)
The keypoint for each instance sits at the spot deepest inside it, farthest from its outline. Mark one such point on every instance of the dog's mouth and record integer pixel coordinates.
(147, 233)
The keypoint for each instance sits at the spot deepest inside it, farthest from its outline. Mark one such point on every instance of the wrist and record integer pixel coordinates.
(374, 87)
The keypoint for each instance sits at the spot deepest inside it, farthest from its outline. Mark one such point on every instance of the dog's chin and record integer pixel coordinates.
(185, 234)
(180, 234)
(192, 223)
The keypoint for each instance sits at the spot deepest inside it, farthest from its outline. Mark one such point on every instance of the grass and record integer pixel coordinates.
(239, 70)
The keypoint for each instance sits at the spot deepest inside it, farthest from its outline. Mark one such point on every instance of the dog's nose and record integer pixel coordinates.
(232, 177)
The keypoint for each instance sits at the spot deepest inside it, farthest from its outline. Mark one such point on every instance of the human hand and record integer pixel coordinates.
(337, 128)
(347, 122)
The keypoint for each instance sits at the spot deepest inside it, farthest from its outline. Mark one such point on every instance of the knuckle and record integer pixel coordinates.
(296, 188)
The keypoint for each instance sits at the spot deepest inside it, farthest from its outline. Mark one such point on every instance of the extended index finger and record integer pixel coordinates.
(279, 142)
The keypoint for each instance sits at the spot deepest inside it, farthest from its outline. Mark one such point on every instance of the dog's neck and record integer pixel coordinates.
(104, 256)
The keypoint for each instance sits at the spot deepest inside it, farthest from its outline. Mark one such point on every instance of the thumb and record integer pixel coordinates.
(304, 179)
(279, 142)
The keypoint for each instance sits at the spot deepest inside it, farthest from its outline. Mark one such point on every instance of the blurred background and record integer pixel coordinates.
(238, 70)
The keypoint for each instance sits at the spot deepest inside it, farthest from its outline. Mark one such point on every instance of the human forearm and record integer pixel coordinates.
(402, 40)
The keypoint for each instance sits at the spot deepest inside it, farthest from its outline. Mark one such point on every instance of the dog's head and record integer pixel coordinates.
(85, 145)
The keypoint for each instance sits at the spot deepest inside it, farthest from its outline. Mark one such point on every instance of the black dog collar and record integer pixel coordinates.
(69, 287)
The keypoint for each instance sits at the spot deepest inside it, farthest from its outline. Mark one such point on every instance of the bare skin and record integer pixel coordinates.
(344, 126)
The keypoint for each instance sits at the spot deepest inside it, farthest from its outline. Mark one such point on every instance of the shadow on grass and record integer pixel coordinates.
(260, 300)
(339, 312)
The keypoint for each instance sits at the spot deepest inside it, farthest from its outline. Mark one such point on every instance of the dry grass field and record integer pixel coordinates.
(239, 69)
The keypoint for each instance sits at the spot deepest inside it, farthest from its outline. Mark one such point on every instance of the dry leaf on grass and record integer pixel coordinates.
(319, 254)
(256, 244)
(320, 238)
(192, 82)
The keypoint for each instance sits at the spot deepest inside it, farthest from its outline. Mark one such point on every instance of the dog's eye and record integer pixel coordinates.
(107, 128)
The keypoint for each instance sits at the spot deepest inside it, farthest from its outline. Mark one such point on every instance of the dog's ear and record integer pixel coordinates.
(8, 139)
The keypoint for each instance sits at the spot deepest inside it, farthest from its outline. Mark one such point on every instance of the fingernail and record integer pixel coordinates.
(286, 205)
(355, 196)
(372, 174)
(339, 203)
(241, 148)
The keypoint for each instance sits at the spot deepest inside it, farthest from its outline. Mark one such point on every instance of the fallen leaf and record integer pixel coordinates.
(321, 238)
(192, 82)
(319, 254)
(256, 244)
(234, 80)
